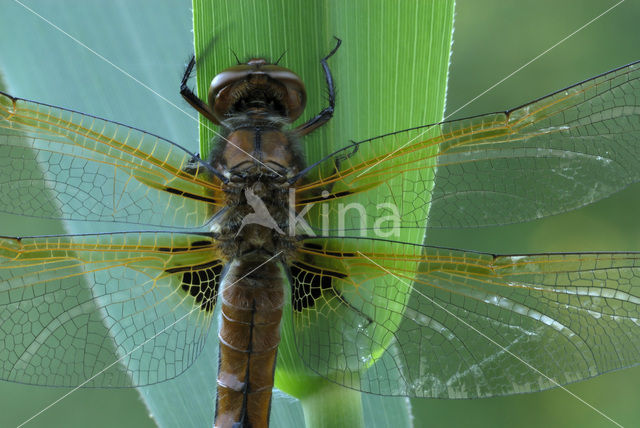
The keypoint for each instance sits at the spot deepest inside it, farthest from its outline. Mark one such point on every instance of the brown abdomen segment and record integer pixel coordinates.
(251, 304)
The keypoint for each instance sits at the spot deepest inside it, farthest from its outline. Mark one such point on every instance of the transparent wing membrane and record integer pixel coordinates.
(378, 315)
(96, 170)
(398, 319)
(550, 156)
(70, 306)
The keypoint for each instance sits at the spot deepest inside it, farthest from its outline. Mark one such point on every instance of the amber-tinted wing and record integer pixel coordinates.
(552, 155)
(398, 319)
(71, 306)
(97, 170)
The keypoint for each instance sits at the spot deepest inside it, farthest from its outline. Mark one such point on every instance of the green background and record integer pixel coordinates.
(491, 39)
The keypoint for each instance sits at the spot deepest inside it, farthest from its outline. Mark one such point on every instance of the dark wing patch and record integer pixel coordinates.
(201, 282)
(309, 282)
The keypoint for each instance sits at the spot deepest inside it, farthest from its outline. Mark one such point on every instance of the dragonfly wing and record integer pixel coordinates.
(553, 155)
(97, 170)
(399, 319)
(127, 308)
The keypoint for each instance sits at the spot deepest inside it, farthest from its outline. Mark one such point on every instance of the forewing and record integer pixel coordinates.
(550, 156)
(110, 309)
(97, 170)
(400, 319)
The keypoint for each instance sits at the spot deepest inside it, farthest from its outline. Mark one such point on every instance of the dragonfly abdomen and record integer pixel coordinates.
(251, 303)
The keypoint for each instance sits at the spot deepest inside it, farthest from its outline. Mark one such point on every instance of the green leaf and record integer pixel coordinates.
(390, 73)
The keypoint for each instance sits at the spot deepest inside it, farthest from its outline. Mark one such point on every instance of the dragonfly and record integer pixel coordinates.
(374, 314)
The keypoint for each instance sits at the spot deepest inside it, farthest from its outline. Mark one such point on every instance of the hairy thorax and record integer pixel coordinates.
(258, 157)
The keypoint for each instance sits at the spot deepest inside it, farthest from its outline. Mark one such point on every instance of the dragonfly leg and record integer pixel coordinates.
(338, 164)
(327, 188)
(190, 97)
(327, 113)
(192, 166)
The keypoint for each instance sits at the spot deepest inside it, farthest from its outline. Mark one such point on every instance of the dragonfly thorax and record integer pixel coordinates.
(257, 148)
(256, 220)
(258, 159)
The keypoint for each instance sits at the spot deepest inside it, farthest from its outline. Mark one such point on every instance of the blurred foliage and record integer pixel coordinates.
(491, 40)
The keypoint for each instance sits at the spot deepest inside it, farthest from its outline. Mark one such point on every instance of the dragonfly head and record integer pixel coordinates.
(257, 87)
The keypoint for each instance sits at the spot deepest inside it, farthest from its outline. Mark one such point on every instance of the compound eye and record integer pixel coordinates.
(222, 97)
(228, 77)
(296, 99)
